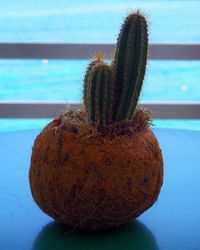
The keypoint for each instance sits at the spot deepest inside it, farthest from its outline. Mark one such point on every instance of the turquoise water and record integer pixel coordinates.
(94, 21)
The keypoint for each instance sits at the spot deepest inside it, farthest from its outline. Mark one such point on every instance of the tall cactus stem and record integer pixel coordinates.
(129, 65)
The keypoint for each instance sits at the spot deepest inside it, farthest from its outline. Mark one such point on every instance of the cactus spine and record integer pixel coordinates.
(111, 92)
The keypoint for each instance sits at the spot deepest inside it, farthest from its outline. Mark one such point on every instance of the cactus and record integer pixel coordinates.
(111, 92)
(100, 169)
(129, 65)
(97, 99)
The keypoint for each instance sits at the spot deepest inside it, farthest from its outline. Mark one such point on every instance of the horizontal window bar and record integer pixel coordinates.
(161, 110)
(84, 51)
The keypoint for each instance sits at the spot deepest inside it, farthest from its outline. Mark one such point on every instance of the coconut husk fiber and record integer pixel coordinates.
(96, 178)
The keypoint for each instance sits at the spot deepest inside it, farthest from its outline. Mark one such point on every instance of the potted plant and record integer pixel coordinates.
(102, 167)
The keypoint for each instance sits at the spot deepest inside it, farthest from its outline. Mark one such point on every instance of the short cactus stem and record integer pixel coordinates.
(98, 99)
(96, 59)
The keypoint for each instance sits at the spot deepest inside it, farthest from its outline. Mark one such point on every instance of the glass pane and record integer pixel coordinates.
(62, 81)
(172, 81)
(22, 124)
(81, 21)
(41, 80)
(58, 80)
(177, 124)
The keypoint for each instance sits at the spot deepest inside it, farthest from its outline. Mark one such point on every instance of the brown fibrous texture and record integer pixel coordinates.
(95, 178)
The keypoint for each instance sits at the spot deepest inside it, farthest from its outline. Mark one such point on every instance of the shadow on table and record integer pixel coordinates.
(134, 235)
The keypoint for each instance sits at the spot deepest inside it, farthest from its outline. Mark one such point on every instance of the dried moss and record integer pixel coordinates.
(75, 121)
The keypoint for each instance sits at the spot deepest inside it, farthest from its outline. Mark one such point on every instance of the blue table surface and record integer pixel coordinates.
(172, 223)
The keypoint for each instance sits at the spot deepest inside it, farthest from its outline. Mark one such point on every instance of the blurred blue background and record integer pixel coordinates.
(97, 21)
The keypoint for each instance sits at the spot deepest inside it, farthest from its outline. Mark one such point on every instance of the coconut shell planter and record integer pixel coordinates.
(102, 167)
